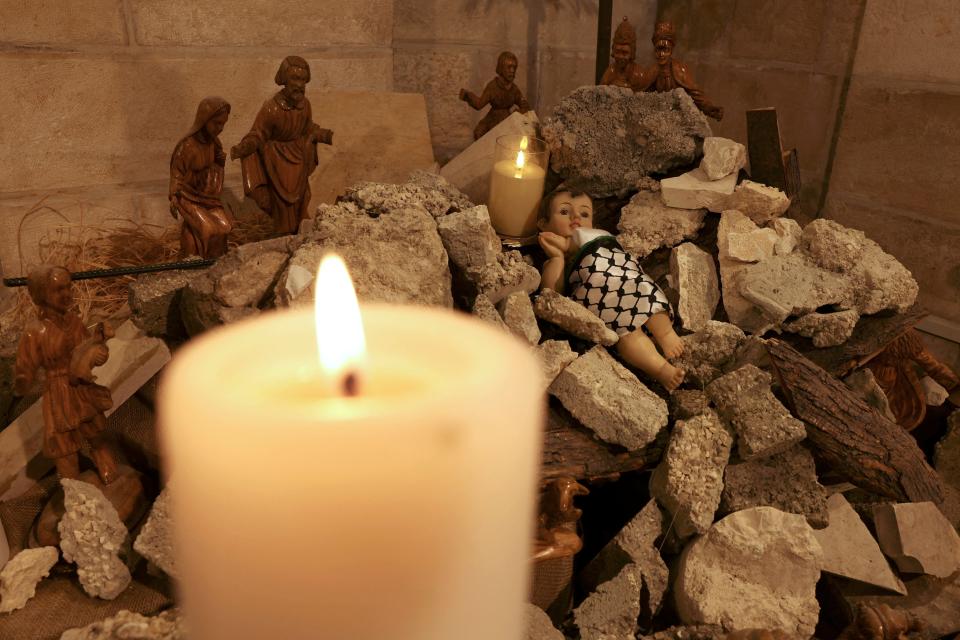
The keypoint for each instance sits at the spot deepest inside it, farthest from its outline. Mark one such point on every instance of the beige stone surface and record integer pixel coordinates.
(377, 136)
(694, 190)
(695, 279)
(918, 537)
(53, 22)
(279, 23)
(20, 576)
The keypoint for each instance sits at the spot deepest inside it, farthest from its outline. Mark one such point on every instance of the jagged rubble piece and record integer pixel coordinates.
(763, 425)
(826, 329)
(606, 398)
(573, 318)
(791, 285)
(646, 224)
(126, 625)
(91, 535)
(918, 537)
(758, 202)
(694, 190)
(722, 157)
(695, 278)
(603, 139)
(832, 246)
(707, 351)
(484, 309)
(155, 542)
(740, 311)
(469, 238)
(508, 273)
(635, 543)
(786, 481)
(689, 479)
(687, 403)
(752, 246)
(246, 286)
(539, 626)
(611, 612)
(788, 235)
(554, 356)
(756, 568)
(154, 300)
(19, 578)
(423, 190)
(519, 318)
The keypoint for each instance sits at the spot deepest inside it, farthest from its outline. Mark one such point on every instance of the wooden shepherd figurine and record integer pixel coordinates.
(280, 152)
(73, 404)
(196, 180)
(500, 93)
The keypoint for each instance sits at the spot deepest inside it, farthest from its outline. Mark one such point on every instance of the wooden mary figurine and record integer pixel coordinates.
(73, 404)
(196, 180)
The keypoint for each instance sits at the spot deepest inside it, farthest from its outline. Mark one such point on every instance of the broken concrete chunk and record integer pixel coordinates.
(832, 246)
(689, 479)
(611, 612)
(688, 403)
(469, 238)
(792, 285)
(788, 235)
(786, 481)
(740, 311)
(248, 285)
(695, 278)
(154, 301)
(20, 576)
(573, 318)
(539, 626)
(935, 392)
(646, 224)
(918, 537)
(606, 398)
(519, 318)
(722, 157)
(752, 246)
(484, 309)
(756, 568)
(826, 329)
(849, 551)
(91, 534)
(424, 190)
(554, 356)
(881, 282)
(707, 351)
(508, 273)
(127, 625)
(603, 139)
(155, 542)
(763, 425)
(758, 202)
(864, 384)
(694, 190)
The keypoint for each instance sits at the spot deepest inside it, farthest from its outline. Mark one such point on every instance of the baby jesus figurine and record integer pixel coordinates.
(609, 282)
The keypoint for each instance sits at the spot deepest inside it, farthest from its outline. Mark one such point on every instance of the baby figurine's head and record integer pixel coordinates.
(564, 211)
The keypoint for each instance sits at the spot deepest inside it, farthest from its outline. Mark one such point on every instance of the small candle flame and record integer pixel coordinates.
(524, 141)
(341, 344)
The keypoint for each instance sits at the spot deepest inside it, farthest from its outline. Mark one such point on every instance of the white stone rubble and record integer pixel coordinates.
(695, 278)
(722, 157)
(20, 576)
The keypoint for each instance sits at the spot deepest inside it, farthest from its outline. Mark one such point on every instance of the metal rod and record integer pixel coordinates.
(604, 21)
(123, 271)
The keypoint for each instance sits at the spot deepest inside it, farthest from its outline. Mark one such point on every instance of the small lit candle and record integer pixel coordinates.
(399, 505)
(516, 185)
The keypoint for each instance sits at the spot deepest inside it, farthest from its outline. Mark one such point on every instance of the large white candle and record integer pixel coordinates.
(516, 187)
(403, 513)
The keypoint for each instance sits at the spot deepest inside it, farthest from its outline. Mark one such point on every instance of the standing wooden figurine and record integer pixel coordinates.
(500, 93)
(196, 180)
(73, 404)
(624, 70)
(280, 152)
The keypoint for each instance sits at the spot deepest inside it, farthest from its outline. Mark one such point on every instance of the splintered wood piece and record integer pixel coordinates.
(851, 436)
(765, 148)
(791, 169)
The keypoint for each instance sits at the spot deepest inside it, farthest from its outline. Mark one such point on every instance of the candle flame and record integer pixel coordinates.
(524, 141)
(521, 160)
(341, 344)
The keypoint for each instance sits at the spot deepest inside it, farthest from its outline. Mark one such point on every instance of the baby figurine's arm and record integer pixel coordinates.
(554, 246)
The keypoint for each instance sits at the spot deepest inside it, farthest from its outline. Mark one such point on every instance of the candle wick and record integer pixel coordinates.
(351, 385)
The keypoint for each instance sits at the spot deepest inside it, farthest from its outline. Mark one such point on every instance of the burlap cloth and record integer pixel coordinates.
(61, 603)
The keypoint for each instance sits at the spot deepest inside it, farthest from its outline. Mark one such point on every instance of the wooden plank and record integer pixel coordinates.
(765, 148)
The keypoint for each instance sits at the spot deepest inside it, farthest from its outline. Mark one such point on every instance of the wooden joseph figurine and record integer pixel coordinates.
(196, 180)
(500, 93)
(280, 152)
(73, 404)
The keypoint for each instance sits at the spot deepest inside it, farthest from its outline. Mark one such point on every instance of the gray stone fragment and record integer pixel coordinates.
(20, 576)
(91, 535)
(688, 403)
(707, 351)
(695, 278)
(127, 625)
(786, 481)
(792, 285)
(636, 544)
(646, 224)
(508, 273)
(611, 612)
(758, 202)
(689, 479)
(554, 356)
(424, 190)
(519, 318)
(469, 238)
(832, 246)
(539, 626)
(154, 300)
(484, 309)
(918, 537)
(694, 190)
(752, 246)
(722, 157)
(740, 311)
(864, 384)
(606, 398)
(946, 457)
(573, 318)
(763, 425)
(155, 542)
(249, 284)
(755, 569)
(826, 329)
(603, 139)
(788, 235)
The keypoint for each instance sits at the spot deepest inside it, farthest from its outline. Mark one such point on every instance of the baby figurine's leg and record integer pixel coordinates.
(661, 327)
(638, 350)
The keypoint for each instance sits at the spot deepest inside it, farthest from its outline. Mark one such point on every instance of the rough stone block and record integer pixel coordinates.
(849, 551)
(792, 285)
(484, 309)
(573, 318)
(722, 157)
(688, 403)
(707, 352)
(756, 568)
(786, 481)
(918, 538)
(539, 626)
(694, 190)
(752, 246)
(248, 285)
(469, 238)
(519, 317)
(49, 22)
(646, 224)
(788, 235)
(758, 202)
(826, 329)
(19, 577)
(168, 625)
(507, 274)
(155, 542)
(833, 246)
(612, 610)
(740, 311)
(689, 479)
(763, 425)
(422, 190)
(155, 302)
(554, 356)
(695, 278)
(606, 398)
